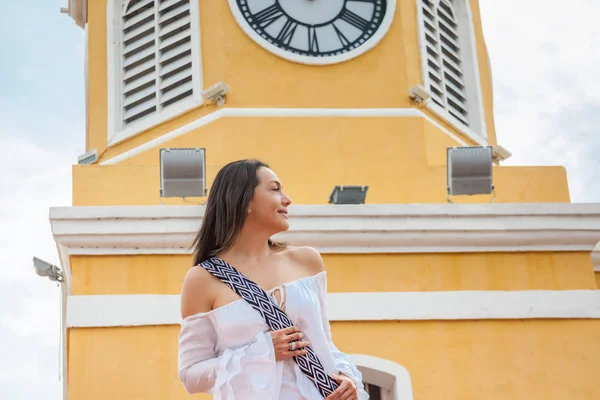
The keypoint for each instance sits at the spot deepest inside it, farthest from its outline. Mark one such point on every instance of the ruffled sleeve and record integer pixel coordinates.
(342, 362)
(247, 370)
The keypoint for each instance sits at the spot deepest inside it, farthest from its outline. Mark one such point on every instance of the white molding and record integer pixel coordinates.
(196, 40)
(475, 72)
(122, 310)
(465, 305)
(65, 262)
(114, 82)
(156, 119)
(386, 374)
(596, 257)
(140, 310)
(419, 228)
(64, 360)
(466, 15)
(368, 45)
(456, 124)
(86, 85)
(281, 113)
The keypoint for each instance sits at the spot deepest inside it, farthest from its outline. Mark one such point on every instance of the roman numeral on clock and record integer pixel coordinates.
(269, 15)
(343, 39)
(287, 32)
(295, 33)
(313, 42)
(354, 20)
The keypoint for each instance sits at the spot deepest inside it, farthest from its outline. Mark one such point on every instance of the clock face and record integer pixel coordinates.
(315, 31)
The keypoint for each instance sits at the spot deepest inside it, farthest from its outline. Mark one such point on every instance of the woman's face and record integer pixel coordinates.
(268, 207)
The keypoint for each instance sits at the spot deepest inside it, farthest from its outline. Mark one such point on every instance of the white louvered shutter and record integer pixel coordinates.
(156, 57)
(444, 63)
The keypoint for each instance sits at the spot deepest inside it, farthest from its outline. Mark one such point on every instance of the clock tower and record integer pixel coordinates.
(427, 298)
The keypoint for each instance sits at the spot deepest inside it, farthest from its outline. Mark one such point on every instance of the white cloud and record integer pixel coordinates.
(545, 56)
(30, 306)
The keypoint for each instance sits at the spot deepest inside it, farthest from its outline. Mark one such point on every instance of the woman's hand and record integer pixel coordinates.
(346, 391)
(281, 343)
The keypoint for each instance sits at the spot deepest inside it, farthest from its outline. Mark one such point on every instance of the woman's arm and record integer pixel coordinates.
(313, 260)
(197, 361)
(201, 371)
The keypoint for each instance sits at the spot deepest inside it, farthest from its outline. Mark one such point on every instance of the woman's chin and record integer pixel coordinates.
(281, 227)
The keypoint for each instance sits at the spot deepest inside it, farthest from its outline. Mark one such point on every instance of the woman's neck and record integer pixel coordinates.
(249, 246)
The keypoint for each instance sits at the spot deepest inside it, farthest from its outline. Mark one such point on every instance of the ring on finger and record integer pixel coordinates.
(292, 346)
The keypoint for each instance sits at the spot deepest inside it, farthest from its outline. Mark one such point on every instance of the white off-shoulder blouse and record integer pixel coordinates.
(228, 352)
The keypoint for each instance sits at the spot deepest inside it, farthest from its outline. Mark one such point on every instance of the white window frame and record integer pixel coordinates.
(392, 378)
(86, 85)
(478, 130)
(115, 134)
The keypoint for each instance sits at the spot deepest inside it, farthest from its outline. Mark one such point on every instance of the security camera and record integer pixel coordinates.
(216, 93)
(419, 94)
(499, 153)
(43, 268)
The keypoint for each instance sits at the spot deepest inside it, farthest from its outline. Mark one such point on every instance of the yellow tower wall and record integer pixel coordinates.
(521, 360)
(402, 159)
(163, 274)
(259, 79)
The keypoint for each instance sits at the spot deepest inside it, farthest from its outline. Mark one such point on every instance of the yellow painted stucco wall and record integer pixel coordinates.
(520, 360)
(163, 274)
(401, 159)
(597, 275)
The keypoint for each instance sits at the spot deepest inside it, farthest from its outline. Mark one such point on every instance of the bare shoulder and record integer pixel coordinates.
(196, 292)
(308, 257)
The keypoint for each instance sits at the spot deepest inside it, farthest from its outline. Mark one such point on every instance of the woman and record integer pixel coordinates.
(225, 346)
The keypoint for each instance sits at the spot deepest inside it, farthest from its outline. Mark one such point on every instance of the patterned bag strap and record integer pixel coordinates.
(309, 363)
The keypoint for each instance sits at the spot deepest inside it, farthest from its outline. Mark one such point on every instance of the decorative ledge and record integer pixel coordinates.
(422, 228)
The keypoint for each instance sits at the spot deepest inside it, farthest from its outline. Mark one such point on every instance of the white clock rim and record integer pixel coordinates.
(324, 60)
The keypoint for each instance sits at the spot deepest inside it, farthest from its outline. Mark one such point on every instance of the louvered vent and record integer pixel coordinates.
(156, 56)
(444, 62)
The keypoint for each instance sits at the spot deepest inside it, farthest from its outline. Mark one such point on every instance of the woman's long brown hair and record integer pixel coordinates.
(227, 209)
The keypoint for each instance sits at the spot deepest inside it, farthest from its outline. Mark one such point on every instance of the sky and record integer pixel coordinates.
(544, 57)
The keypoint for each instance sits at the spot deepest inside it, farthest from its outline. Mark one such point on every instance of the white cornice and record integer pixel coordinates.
(423, 228)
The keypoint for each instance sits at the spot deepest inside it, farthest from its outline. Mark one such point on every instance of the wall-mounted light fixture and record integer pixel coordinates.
(183, 172)
(469, 171)
(348, 195)
(45, 269)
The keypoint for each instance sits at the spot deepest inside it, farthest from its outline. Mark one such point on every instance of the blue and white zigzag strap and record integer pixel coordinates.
(276, 318)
